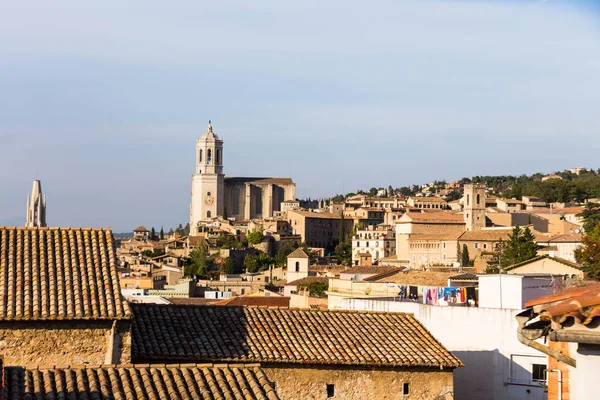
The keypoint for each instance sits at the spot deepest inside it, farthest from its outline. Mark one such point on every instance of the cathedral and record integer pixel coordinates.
(241, 198)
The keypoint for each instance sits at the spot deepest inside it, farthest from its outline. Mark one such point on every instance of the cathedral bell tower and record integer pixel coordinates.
(208, 181)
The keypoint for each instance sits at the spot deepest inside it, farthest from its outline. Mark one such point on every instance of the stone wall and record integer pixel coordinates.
(62, 343)
(310, 382)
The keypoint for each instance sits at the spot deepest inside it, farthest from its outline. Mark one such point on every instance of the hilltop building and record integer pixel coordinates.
(36, 206)
(214, 195)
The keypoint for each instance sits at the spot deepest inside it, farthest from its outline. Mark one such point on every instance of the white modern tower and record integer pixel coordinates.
(36, 206)
(208, 182)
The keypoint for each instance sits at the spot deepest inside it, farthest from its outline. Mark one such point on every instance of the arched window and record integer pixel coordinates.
(297, 266)
(209, 156)
(200, 156)
(208, 194)
(208, 214)
(477, 199)
(218, 157)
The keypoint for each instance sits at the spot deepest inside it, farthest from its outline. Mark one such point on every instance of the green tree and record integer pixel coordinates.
(257, 262)
(519, 247)
(284, 250)
(225, 214)
(152, 234)
(315, 289)
(255, 237)
(228, 267)
(590, 216)
(199, 261)
(589, 253)
(162, 233)
(465, 260)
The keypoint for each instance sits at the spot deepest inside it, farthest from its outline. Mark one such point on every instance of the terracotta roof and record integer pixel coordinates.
(310, 214)
(571, 315)
(281, 181)
(510, 201)
(139, 382)
(560, 260)
(429, 199)
(298, 253)
(256, 301)
(492, 235)
(53, 273)
(367, 269)
(251, 334)
(566, 238)
(307, 280)
(141, 229)
(415, 277)
(465, 277)
(197, 301)
(435, 217)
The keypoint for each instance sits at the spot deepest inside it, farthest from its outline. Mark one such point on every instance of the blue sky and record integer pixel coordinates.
(103, 102)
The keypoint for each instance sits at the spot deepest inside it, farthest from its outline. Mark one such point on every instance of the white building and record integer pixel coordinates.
(380, 242)
(484, 338)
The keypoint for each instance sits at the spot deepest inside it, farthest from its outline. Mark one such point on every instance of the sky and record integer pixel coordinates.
(102, 101)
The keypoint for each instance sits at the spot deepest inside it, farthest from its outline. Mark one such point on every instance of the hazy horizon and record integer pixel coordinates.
(103, 103)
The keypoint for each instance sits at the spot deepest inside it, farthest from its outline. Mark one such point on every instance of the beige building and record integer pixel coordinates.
(317, 229)
(378, 242)
(242, 198)
(427, 250)
(547, 265)
(61, 300)
(308, 354)
(431, 228)
(427, 203)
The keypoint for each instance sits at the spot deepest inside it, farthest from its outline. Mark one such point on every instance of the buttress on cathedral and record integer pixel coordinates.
(241, 198)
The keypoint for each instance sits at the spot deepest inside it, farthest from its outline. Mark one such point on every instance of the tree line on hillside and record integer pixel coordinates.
(571, 188)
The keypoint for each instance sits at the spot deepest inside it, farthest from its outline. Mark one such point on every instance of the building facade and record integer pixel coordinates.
(215, 195)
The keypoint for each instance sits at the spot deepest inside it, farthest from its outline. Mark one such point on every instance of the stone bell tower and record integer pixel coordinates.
(208, 181)
(474, 206)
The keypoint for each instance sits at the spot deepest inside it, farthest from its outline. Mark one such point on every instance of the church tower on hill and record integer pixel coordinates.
(208, 181)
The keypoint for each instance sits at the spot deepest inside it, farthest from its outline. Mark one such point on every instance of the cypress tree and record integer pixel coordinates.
(464, 256)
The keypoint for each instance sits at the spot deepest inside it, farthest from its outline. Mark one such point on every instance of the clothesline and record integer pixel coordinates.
(438, 295)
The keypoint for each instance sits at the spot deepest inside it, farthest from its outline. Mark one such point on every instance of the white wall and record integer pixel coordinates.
(588, 365)
(509, 291)
(484, 339)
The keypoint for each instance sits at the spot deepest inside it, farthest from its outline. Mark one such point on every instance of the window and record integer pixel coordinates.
(208, 214)
(467, 199)
(200, 155)
(330, 390)
(208, 194)
(476, 245)
(537, 372)
(218, 157)
(485, 246)
(297, 266)
(406, 388)
(209, 156)
(477, 199)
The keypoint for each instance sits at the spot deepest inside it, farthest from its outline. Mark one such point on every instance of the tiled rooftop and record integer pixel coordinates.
(576, 309)
(53, 273)
(139, 382)
(249, 334)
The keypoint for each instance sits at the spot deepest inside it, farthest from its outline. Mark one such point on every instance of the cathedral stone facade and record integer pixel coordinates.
(241, 198)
